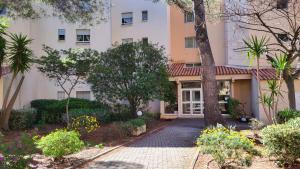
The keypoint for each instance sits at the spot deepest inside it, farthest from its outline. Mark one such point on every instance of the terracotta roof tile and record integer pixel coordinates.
(179, 69)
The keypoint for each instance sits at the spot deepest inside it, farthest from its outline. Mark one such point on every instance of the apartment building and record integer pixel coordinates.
(234, 76)
(132, 20)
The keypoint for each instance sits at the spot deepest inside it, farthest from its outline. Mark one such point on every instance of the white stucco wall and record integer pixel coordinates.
(156, 29)
(45, 31)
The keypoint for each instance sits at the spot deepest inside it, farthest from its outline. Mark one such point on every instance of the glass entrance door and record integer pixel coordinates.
(192, 101)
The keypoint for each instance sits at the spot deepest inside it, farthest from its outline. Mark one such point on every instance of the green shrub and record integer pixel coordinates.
(136, 122)
(294, 122)
(233, 108)
(84, 124)
(60, 143)
(282, 142)
(15, 154)
(101, 114)
(51, 111)
(22, 119)
(287, 114)
(227, 146)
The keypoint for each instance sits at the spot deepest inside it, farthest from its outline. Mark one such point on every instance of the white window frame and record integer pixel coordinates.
(90, 94)
(125, 19)
(61, 32)
(59, 94)
(85, 33)
(127, 40)
(187, 16)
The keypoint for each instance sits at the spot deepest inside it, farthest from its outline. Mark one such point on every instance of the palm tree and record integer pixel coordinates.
(256, 49)
(19, 58)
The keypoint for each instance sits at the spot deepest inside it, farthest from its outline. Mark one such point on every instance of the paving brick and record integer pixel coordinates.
(170, 148)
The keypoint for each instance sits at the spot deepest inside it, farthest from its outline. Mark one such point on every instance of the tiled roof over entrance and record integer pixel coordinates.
(179, 69)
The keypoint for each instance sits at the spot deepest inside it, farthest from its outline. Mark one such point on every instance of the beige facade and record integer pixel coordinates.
(225, 37)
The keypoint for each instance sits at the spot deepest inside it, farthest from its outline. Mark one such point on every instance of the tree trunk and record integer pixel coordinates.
(67, 110)
(212, 113)
(289, 80)
(7, 111)
(133, 109)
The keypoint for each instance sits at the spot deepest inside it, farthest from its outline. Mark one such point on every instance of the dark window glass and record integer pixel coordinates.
(144, 15)
(145, 40)
(61, 34)
(189, 17)
(282, 4)
(284, 37)
(127, 18)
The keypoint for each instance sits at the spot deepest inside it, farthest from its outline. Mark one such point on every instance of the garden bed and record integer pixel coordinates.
(204, 161)
(109, 135)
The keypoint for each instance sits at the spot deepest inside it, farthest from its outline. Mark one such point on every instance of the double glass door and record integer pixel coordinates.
(192, 101)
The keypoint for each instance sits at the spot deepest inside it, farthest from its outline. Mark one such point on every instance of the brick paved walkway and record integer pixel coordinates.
(170, 148)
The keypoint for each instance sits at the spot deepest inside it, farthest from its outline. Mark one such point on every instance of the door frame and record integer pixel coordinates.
(191, 102)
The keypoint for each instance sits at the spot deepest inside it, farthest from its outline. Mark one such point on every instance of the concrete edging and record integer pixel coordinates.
(195, 159)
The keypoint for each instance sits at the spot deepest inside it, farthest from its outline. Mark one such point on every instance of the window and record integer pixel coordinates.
(144, 16)
(190, 42)
(189, 17)
(127, 40)
(60, 95)
(61, 34)
(284, 37)
(145, 41)
(224, 88)
(191, 65)
(83, 35)
(127, 18)
(282, 4)
(3, 11)
(83, 95)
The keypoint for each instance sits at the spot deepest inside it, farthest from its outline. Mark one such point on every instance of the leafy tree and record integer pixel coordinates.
(68, 67)
(84, 11)
(135, 72)
(279, 20)
(212, 113)
(18, 56)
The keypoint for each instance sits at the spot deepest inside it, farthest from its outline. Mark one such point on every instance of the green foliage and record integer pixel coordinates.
(84, 124)
(51, 111)
(256, 47)
(136, 122)
(60, 143)
(127, 127)
(85, 12)
(227, 146)
(294, 122)
(15, 155)
(233, 108)
(67, 67)
(22, 119)
(102, 114)
(287, 114)
(19, 53)
(136, 72)
(282, 142)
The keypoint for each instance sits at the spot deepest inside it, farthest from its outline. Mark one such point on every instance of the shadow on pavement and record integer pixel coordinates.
(115, 165)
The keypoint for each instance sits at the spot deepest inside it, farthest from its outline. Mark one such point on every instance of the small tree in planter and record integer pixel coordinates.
(135, 72)
(68, 67)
